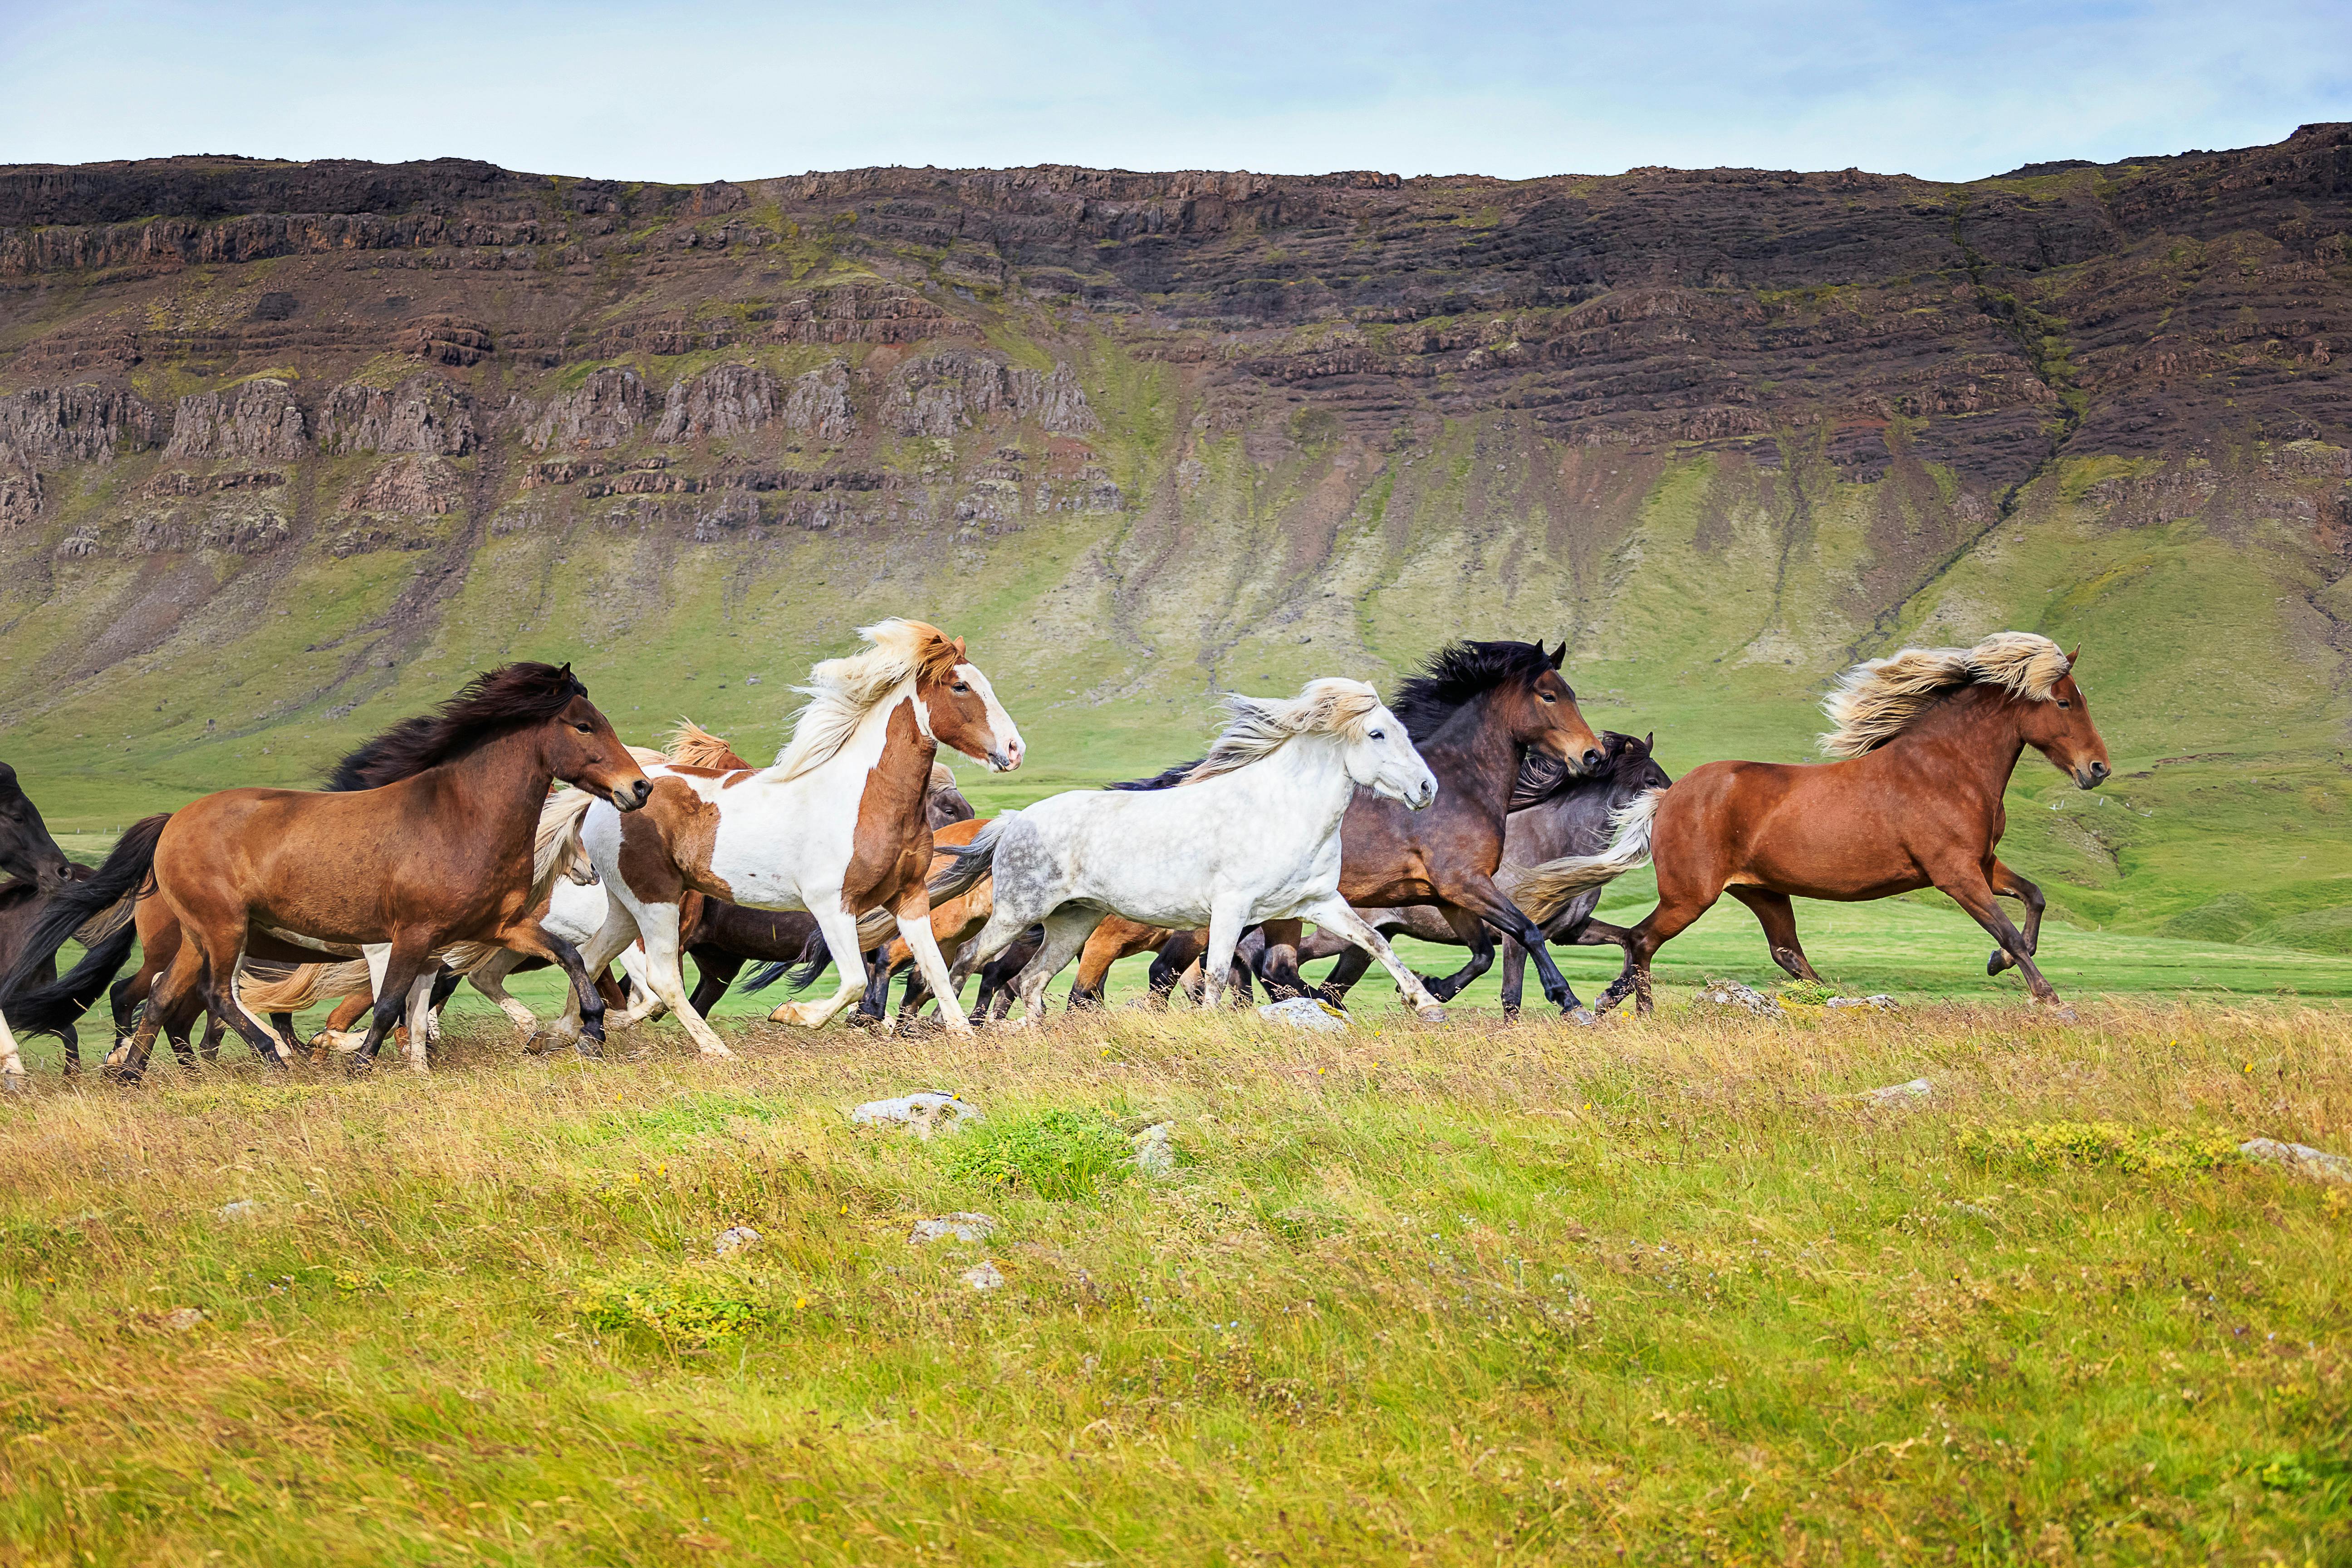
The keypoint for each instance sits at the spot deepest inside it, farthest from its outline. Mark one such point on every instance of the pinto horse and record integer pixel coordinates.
(440, 851)
(838, 827)
(1928, 740)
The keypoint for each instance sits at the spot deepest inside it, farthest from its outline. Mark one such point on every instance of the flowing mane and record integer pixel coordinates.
(1257, 727)
(1878, 699)
(692, 746)
(1458, 672)
(841, 691)
(486, 707)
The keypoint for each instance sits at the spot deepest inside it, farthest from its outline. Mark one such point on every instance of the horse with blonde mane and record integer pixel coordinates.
(1253, 836)
(1925, 742)
(838, 827)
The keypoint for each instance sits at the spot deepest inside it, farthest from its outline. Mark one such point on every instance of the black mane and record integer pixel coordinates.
(1167, 778)
(488, 705)
(1459, 672)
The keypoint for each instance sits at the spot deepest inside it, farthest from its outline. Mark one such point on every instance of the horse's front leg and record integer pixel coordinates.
(1480, 896)
(914, 917)
(2008, 884)
(1336, 915)
(657, 928)
(585, 1003)
(1470, 932)
(11, 1066)
(839, 928)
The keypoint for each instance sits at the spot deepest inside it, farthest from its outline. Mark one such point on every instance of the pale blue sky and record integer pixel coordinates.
(690, 90)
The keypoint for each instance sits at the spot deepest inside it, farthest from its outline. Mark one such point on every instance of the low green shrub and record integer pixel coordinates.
(689, 1307)
(1053, 1153)
(2133, 1151)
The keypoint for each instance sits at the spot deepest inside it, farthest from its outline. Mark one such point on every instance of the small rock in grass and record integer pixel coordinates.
(179, 1320)
(243, 1208)
(1304, 1012)
(1155, 1149)
(983, 1277)
(926, 1111)
(953, 1226)
(2301, 1158)
(1732, 994)
(735, 1238)
(1917, 1088)
(1882, 1002)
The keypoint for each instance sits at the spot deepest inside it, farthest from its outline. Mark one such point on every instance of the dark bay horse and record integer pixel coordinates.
(438, 848)
(1554, 813)
(1475, 710)
(1927, 739)
(28, 853)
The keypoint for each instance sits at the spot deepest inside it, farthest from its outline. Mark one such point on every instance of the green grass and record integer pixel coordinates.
(1480, 1294)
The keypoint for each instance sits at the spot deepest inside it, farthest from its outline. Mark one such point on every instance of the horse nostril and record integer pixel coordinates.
(1593, 759)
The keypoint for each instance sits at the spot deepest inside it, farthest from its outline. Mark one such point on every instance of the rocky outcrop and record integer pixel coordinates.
(409, 486)
(818, 404)
(49, 426)
(727, 400)
(941, 394)
(423, 415)
(20, 497)
(259, 418)
(603, 411)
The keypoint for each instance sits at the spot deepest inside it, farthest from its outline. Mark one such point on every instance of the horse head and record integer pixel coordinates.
(1380, 756)
(1633, 770)
(26, 849)
(2062, 731)
(1544, 715)
(582, 750)
(960, 710)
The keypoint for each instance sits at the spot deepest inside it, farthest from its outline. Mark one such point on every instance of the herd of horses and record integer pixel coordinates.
(511, 828)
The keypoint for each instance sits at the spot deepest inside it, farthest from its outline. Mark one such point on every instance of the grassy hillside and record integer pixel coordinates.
(1472, 1294)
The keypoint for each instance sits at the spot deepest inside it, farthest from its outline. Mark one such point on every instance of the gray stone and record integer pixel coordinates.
(926, 1111)
(1917, 1088)
(243, 1208)
(179, 1320)
(1155, 1149)
(983, 1277)
(953, 1228)
(1882, 1002)
(1306, 1012)
(2301, 1158)
(736, 1238)
(1732, 994)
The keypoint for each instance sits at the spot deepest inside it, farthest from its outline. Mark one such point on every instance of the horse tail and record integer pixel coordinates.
(301, 985)
(973, 861)
(128, 873)
(814, 956)
(53, 1009)
(1544, 890)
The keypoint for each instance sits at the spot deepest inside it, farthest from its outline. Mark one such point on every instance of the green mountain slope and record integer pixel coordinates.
(288, 449)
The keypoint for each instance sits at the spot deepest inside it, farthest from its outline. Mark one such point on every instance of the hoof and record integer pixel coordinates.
(592, 1050)
(1997, 962)
(1581, 1016)
(1433, 1014)
(714, 1052)
(2060, 1013)
(358, 1067)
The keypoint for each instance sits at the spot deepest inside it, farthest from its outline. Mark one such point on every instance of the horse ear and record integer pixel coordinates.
(958, 646)
(1558, 654)
(2073, 657)
(1650, 741)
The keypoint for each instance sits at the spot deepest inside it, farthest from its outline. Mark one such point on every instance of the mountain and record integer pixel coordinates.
(288, 448)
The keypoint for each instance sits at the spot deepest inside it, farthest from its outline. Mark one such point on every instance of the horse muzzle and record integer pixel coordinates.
(631, 796)
(1005, 758)
(2093, 776)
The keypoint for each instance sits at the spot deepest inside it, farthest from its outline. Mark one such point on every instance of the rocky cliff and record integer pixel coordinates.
(285, 448)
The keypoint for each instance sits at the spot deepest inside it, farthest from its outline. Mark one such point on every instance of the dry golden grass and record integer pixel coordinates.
(1473, 1293)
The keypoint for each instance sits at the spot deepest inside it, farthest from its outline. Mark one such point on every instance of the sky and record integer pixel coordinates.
(691, 90)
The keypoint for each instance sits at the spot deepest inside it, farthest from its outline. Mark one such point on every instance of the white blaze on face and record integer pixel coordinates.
(1004, 738)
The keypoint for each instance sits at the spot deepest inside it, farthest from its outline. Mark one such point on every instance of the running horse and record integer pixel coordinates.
(1927, 741)
(1474, 711)
(838, 827)
(440, 852)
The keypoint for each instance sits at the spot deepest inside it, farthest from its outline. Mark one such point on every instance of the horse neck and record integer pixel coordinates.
(1473, 757)
(500, 785)
(1974, 734)
(1307, 774)
(1573, 822)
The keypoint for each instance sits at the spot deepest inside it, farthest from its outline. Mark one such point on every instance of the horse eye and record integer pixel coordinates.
(2064, 703)
(1548, 697)
(585, 729)
(1379, 734)
(960, 686)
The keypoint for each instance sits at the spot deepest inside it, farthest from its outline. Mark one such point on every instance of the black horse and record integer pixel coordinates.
(1554, 813)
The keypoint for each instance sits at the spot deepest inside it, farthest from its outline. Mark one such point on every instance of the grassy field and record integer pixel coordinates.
(1664, 1291)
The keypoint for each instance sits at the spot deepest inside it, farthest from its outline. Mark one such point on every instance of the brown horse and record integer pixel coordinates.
(1929, 738)
(439, 850)
(1475, 710)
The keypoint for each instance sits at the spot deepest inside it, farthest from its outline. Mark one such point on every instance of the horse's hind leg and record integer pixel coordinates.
(2008, 884)
(1067, 931)
(1340, 919)
(1779, 918)
(1673, 916)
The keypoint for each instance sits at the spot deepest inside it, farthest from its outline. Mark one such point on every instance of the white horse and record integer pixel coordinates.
(839, 825)
(12, 1067)
(1251, 835)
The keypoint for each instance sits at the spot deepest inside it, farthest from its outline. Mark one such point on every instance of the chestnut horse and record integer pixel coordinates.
(837, 827)
(1928, 740)
(440, 853)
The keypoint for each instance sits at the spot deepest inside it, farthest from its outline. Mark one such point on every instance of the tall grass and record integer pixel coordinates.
(1477, 1293)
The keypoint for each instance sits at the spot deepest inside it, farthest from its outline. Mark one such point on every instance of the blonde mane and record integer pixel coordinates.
(1257, 727)
(1877, 701)
(841, 691)
(692, 746)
